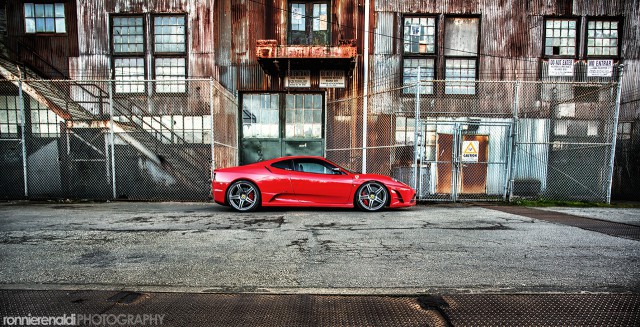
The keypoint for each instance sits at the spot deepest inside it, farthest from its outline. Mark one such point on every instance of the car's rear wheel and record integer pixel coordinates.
(243, 196)
(372, 196)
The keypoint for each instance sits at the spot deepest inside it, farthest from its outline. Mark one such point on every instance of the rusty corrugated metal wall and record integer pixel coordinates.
(511, 37)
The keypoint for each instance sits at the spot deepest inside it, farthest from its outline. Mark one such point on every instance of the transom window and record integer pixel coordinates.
(309, 22)
(602, 38)
(560, 37)
(44, 18)
(420, 35)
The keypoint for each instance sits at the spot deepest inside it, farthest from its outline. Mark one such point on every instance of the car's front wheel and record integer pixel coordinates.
(371, 196)
(243, 196)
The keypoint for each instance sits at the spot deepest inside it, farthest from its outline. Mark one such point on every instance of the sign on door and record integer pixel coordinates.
(470, 151)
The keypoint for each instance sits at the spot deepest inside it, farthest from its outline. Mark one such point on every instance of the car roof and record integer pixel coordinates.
(294, 157)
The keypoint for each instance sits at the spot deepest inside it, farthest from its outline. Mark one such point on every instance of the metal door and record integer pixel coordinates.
(277, 124)
(465, 161)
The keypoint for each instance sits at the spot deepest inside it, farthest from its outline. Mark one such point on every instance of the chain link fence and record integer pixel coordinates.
(473, 140)
(451, 140)
(140, 140)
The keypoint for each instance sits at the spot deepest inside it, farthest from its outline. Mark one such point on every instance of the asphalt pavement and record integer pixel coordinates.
(452, 251)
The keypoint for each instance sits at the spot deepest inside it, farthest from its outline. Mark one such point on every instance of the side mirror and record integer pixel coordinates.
(336, 171)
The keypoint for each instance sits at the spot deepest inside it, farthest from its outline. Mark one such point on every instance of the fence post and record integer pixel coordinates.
(213, 139)
(513, 156)
(614, 135)
(23, 140)
(415, 134)
(112, 141)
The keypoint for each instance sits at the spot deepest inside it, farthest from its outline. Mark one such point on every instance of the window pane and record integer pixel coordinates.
(60, 25)
(30, 25)
(59, 10)
(415, 69)
(320, 19)
(28, 10)
(168, 69)
(298, 17)
(461, 36)
(128, 35)
(257, 111)
(460, 70)
(169, 34)
(602, 38)
(419, 34)
(560, 37)
(128, 69)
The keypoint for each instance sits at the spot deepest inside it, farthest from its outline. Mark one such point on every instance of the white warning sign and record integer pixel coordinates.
(470, 151)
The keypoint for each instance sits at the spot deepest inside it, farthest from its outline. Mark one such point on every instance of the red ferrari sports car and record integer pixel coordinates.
(303, 181)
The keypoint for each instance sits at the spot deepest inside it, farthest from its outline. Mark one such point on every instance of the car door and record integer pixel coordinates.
(317, 181)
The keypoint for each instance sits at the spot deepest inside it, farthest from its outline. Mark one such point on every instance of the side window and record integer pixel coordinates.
(314, 166)
(285, 164)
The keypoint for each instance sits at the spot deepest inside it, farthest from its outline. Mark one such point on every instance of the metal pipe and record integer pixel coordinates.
(365, 105)
(112, 141)
(615, 132)
(213, 148)
(415, 133)
(513, 155)
(23, 140)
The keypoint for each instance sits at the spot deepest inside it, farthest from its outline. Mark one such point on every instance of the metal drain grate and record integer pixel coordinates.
(595, 225)
(543, 310)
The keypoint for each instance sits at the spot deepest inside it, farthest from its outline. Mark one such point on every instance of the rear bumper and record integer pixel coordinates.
(218, 189)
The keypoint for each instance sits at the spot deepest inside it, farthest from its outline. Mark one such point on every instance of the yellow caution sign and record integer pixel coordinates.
(470, 151)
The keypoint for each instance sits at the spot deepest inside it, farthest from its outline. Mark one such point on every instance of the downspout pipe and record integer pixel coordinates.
(365, 94)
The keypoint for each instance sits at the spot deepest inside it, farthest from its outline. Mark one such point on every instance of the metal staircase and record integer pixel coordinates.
(88, 112)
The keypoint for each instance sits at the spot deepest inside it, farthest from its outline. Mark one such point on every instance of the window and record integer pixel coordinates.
(44, 122)
(260, 115)
(168, 60)
(416, 69)
(420, 53)
(285, 164)
(303, 116)
(309, 23)
(461, 54)
(315, 166)
(177, 128)
(460, 70)
(625, 130)
(420, 35)
(602, 38)
(44, 18)
(560, 37)
(128, 44)
(405, 128)
(129, 69)
(170, 69)
(9, 116)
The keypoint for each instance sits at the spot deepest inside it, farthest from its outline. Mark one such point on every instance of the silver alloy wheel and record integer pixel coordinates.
(243, 196)
(372, 196)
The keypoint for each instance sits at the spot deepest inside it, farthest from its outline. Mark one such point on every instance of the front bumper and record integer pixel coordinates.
(402, 197)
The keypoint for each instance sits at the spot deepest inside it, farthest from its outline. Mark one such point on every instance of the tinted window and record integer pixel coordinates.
(315, 166)
(285, 164)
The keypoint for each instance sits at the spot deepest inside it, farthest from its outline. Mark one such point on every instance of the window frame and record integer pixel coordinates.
(168, 55)
(475, 58)
(308, 20)
(411, 92)
(617, 19)
(128, 55)
(578, 42)
(45, 33)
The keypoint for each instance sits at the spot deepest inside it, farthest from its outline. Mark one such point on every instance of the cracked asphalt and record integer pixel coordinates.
(201, 247)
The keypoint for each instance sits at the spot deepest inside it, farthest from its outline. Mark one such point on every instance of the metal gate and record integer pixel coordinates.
(463, 160)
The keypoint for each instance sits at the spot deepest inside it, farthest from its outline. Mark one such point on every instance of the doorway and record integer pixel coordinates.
(281, 124)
